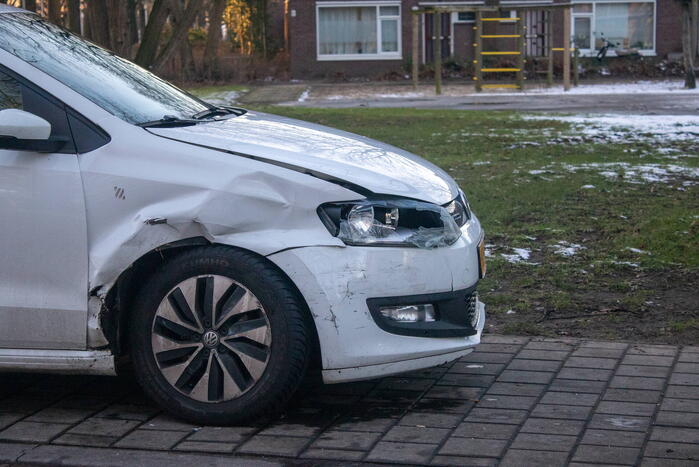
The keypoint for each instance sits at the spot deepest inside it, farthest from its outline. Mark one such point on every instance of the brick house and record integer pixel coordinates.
(369, 38)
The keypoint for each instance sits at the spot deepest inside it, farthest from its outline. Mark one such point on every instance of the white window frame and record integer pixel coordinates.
(611, 52)
(398, 55)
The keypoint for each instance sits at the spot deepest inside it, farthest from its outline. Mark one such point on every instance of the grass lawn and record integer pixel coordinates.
(593, 235)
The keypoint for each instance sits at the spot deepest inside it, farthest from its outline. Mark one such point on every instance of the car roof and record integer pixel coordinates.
(10, 9)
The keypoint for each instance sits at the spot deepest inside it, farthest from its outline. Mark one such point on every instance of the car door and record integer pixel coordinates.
(43, 233)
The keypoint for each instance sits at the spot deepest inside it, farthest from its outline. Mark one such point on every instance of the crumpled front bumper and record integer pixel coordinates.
(337, 281)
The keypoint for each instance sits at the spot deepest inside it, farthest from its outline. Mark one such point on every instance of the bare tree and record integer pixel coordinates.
(151, 35)
(211, 64)
(98, 22)
(74, 16)
(55, 11)
(179, 34)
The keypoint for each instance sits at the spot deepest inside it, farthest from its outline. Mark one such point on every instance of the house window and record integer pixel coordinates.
(626, 25)
(464, 17)
(368, 31)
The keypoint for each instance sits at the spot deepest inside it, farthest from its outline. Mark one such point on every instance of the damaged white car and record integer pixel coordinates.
(223, 253)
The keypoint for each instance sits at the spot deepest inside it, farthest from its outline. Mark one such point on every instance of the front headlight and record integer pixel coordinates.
(393, 222)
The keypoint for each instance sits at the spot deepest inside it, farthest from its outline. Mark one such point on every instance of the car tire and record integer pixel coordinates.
(219, 362)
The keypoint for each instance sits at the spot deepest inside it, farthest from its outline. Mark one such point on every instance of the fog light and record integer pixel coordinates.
(410, 313)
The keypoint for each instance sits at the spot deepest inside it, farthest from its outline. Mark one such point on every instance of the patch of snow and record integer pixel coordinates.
(510, 312)
(304, 95)
(567, 249)
(626, 263)
(639, 173)
(520, 256)
(637, 87)
(222, 98)
(587, 187)
(636, 250)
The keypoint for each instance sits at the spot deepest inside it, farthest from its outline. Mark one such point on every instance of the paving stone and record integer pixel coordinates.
(496, 416)
(413, 434)
(618, 422)
(488, 357)
(672, 451)
(678, 419)
(626, 408)
(682, 392)
(498, 339)
(690, 349)
(274, 445)
(499, 348)
(687, 367)
(290, 429)
(516, 376)
(84, 402)
(546, 345)
(686, 357)
(405, 384)
(473, 447)
(524, 458)
(57, 415)
(597, 353)
(33, 432)
(167, 422)
(464, 461)
(644, 349)
(685, 379)
(569, 398)
(199, 446)
(460, 379)
(436, 420)
(128, 412)
(506, 402)
(584, 374)
(544, 442)
(680, 405)
(674, 434)
(477, 368)
(104, 427)
(454, 392)
(351, 440)
(333, 454)
(652, 360)
(590, 362)
(456, 406)
(653, 462)
(553, 426)
(632, 395)
(542, 354)
(579, 386)
(516, 389)
(534, 365)
(642, 370)
(574, 412)
(8, 419)
(485, 430)
(631, 439)
(364, 424)
(218, 434)
(402, 452)
(10, 452)
(604, 345)
(632, 382)
(85, 440)
(606, 454)
(151, 439)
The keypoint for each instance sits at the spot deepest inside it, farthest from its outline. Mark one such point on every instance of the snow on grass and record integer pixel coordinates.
(520, 256)
(396, 95)
(222, 98)
(639, 173)
(304, 95)
(567, 249)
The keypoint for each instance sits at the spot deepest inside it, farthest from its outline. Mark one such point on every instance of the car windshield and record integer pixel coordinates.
(117, 85)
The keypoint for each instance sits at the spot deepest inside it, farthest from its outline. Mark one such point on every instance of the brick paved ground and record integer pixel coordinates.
(514, 402)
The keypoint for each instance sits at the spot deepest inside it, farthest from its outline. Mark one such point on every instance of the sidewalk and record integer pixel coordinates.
(514, 402)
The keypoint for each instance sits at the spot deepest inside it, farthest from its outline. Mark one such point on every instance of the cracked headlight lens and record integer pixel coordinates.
(393, 222)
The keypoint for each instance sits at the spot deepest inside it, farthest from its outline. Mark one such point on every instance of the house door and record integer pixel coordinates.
(429, 37)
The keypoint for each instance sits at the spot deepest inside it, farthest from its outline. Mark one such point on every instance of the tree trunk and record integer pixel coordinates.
(131, 6)
(179, 33)
(97, 17)
(74, 16)
(213, 39)
(55, 11)
(30, 5)
(151, 35)
(690, 80)
(118, 28)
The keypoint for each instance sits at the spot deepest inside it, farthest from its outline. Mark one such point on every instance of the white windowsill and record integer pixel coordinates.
(356, 57)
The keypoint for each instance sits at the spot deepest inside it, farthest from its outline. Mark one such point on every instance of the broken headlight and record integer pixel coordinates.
(394, 222)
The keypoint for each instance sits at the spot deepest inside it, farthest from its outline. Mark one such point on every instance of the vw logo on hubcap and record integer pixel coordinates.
(210, 339)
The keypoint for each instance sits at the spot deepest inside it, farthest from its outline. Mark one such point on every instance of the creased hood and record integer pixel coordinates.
(374, 166)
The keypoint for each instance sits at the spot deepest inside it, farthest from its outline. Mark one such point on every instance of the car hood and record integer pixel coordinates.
(326, 152)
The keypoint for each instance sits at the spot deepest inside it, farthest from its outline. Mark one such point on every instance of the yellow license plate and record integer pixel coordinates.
(481, 258)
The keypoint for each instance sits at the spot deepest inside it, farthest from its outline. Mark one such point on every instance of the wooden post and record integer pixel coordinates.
(549, 69)
(437, 48)
(566, 49)
(695, 28)
(416, 48)
(478, 48)
(521, 30)
(576, 72)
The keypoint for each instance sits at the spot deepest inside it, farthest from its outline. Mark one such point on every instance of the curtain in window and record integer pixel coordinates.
(625, 24)
(349, 30)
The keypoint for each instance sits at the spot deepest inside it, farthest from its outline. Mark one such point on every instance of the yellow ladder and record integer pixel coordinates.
(480, 53)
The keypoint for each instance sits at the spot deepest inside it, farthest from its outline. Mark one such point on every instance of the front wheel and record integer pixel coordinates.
(218, 336)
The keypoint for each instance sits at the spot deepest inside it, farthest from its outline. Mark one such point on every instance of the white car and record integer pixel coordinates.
(223, 253)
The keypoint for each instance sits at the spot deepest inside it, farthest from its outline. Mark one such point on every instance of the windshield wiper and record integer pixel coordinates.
(215, 111)
(168, 121)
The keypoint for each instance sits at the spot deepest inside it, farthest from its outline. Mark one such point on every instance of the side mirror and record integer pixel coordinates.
(24, 131)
